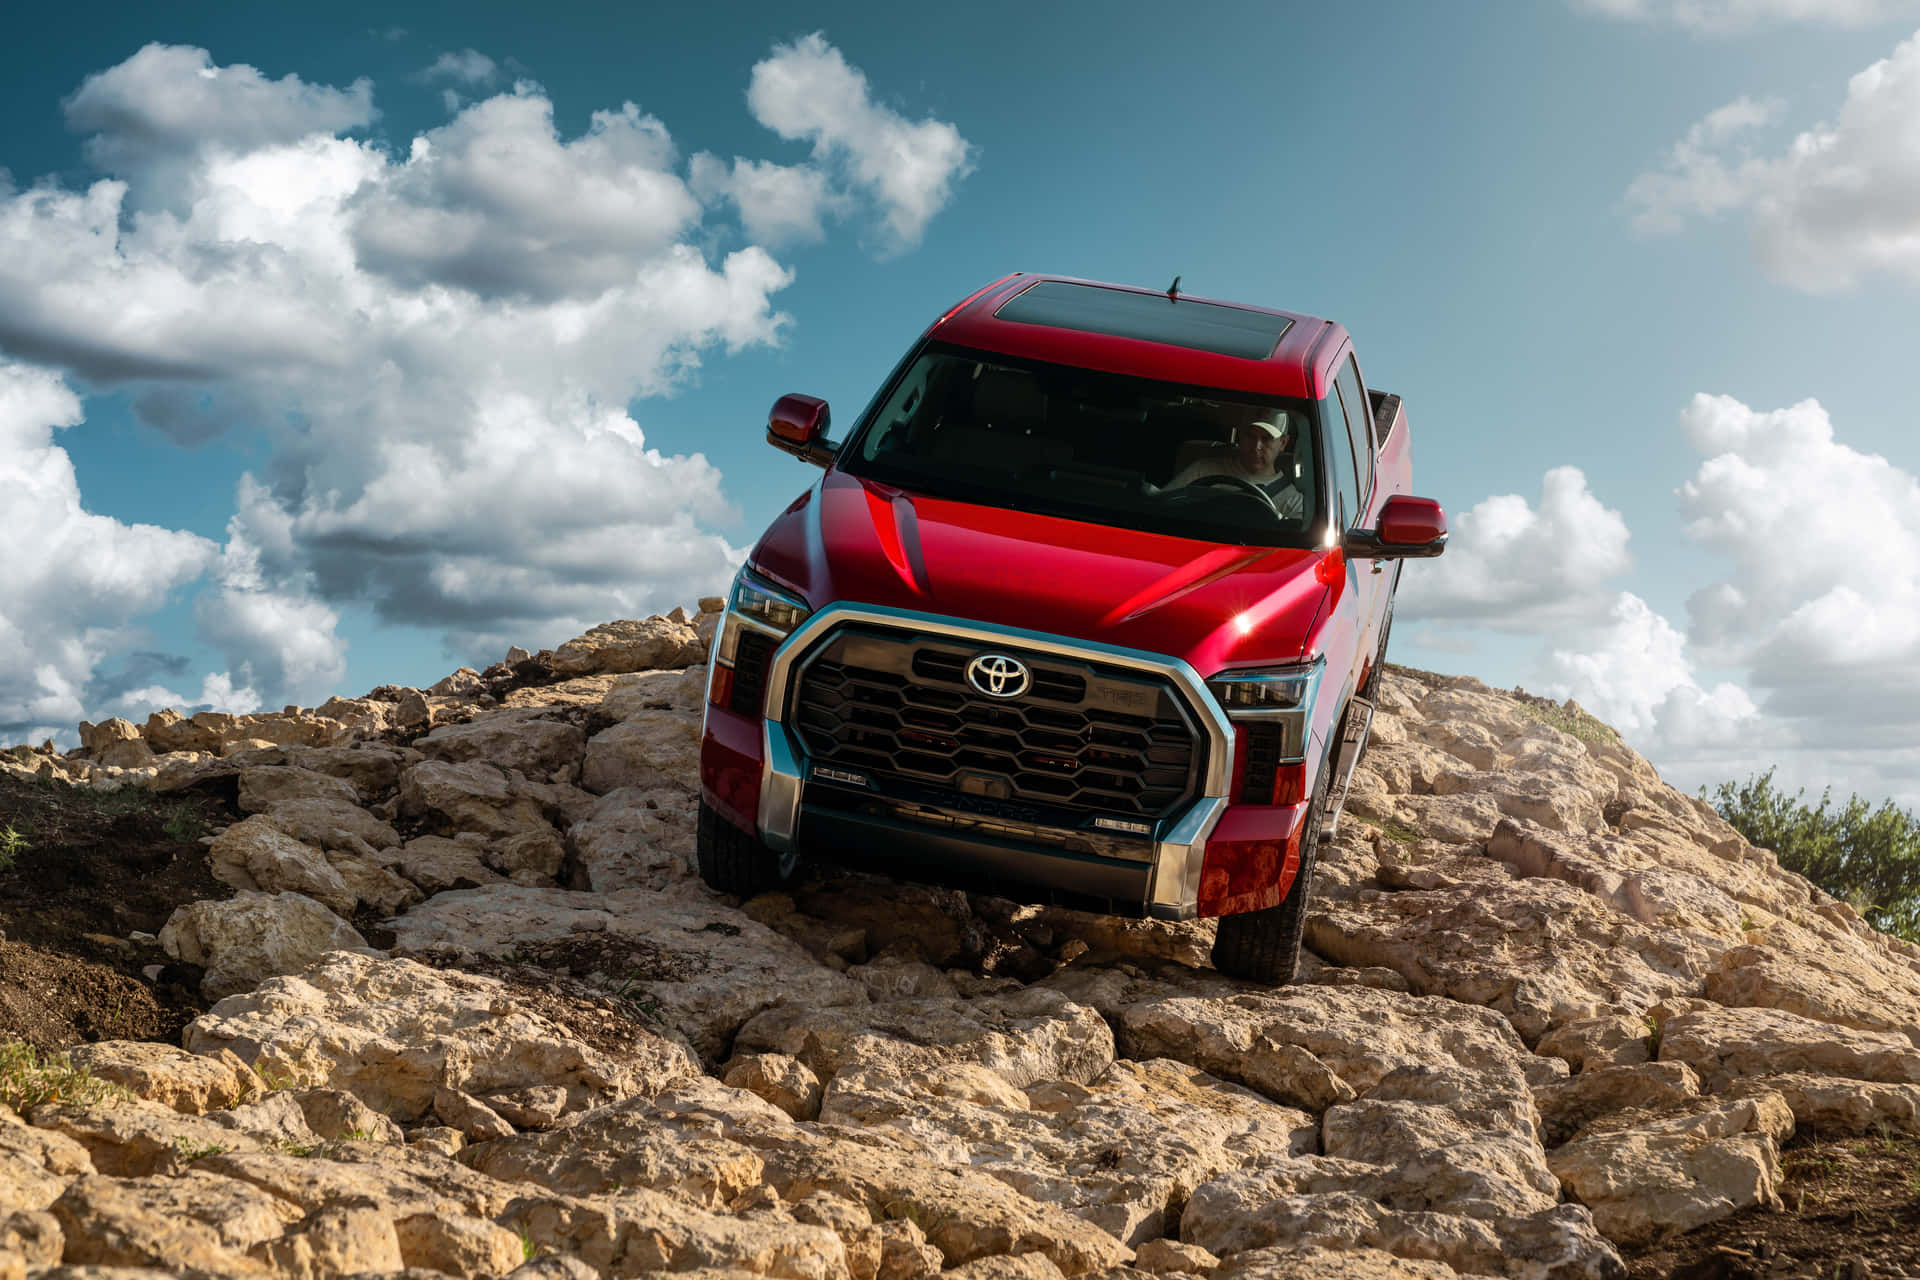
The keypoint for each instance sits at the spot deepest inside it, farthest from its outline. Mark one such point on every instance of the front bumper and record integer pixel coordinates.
(1161, 878)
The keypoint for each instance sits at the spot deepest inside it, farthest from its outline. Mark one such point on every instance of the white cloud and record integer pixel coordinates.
(71, 581)
(441, 346)
(779, 204)
(1822, 602)
(807, 92)
(1634, 673)
(1722, 17)
(1839, 202)
(1515, 567)
(217, 693)
(495, 203)
(1815, 616)
(469, 67)
(168, 104)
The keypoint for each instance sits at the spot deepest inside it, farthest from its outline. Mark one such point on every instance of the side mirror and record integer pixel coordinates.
(797, 425)
(1410, 528)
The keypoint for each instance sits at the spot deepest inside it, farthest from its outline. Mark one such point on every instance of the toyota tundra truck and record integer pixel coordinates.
(1088, 607)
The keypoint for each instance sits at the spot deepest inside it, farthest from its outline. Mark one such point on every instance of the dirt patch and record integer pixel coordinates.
(82, 871)
(1852, 1210)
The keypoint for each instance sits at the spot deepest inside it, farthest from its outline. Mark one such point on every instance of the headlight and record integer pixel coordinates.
(763, 602)
(1271, 689)
(759, 605)
(1281, 696)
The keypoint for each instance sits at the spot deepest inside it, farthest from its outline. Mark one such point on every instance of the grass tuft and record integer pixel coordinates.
(29, 1078)
(12, 845)
(1568, 720)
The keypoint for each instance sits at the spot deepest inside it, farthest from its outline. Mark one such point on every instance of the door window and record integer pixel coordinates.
(1346, 486)
(1359, 422)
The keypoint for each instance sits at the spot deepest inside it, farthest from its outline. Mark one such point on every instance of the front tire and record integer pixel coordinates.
(734, 861)
(1264, 946)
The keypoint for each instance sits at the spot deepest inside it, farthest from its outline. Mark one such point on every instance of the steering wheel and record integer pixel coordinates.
(1246, 487)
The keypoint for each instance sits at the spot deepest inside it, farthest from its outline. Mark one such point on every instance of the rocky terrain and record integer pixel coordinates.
(469, 1012)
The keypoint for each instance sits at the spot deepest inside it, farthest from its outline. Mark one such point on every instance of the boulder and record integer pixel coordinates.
(627, 645)
(651, 750)
(392, 1032)
(253, 936)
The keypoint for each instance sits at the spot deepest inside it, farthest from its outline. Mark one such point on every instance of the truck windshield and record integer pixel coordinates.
(1224, 466)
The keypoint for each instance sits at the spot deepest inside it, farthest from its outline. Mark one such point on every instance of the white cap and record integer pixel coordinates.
(1275, 425)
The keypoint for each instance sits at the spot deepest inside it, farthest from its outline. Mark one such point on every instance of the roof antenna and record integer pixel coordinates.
(1173, 290)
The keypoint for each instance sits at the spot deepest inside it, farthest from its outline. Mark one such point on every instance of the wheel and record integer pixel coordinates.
(1264, 946)
(734, 861)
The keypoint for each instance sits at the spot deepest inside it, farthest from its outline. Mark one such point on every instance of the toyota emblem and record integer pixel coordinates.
(998, 676)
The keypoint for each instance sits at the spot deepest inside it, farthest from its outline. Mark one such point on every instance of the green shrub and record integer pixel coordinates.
(1868, 857)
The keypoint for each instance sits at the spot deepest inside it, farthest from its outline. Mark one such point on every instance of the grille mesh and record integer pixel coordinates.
(1084, 738)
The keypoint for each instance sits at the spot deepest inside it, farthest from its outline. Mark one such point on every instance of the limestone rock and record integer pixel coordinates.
(708, 967)
(474, 796)
(1284, 1262)
(651, 750)
(627, 645)
(436, 864)
(1724, 1044)
(253, 936)
(1164, 1255)
(392, 1031)
(472, 1117)
(683, 1142)
(525, 741)
(458, 1245)
(635, 838)
(335, 1113)
(635, 1232)
(1568, 1105)
(338, 1241)
(197, 1221)
(785, 1082)
(262, 788)
(1026, 1037)
(1649, 1173)
(186, 1082)
(332, 823)
(1318, 1047)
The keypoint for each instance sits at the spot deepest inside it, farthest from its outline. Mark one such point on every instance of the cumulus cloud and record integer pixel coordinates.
(1634, 672)
(469, 66)
(168, 104)
(779, 204)
(1514, 566)
(441, 345)
(495, 203)
(1838, 202)
(71, 581)
(806, 91)
(1822, 601)
(1723, 17)
(1546, 570)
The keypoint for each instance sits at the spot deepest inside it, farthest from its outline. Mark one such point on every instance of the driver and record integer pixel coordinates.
(1258, 447)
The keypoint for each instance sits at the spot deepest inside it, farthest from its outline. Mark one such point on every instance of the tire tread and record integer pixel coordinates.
(731, 860)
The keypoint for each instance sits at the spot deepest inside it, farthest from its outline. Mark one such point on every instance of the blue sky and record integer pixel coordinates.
(1550, 226)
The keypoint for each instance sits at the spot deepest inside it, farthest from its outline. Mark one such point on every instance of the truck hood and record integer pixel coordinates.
(855, 540)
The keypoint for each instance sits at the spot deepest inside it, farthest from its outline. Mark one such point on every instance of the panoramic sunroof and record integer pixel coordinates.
(1203, 326)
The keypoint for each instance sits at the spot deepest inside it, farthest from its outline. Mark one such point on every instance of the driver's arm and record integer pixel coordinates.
(1191, 472)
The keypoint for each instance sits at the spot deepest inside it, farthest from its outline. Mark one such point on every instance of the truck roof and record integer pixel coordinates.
(1149, 334)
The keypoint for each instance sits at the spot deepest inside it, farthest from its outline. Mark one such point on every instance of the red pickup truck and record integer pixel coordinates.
(1087, 608)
